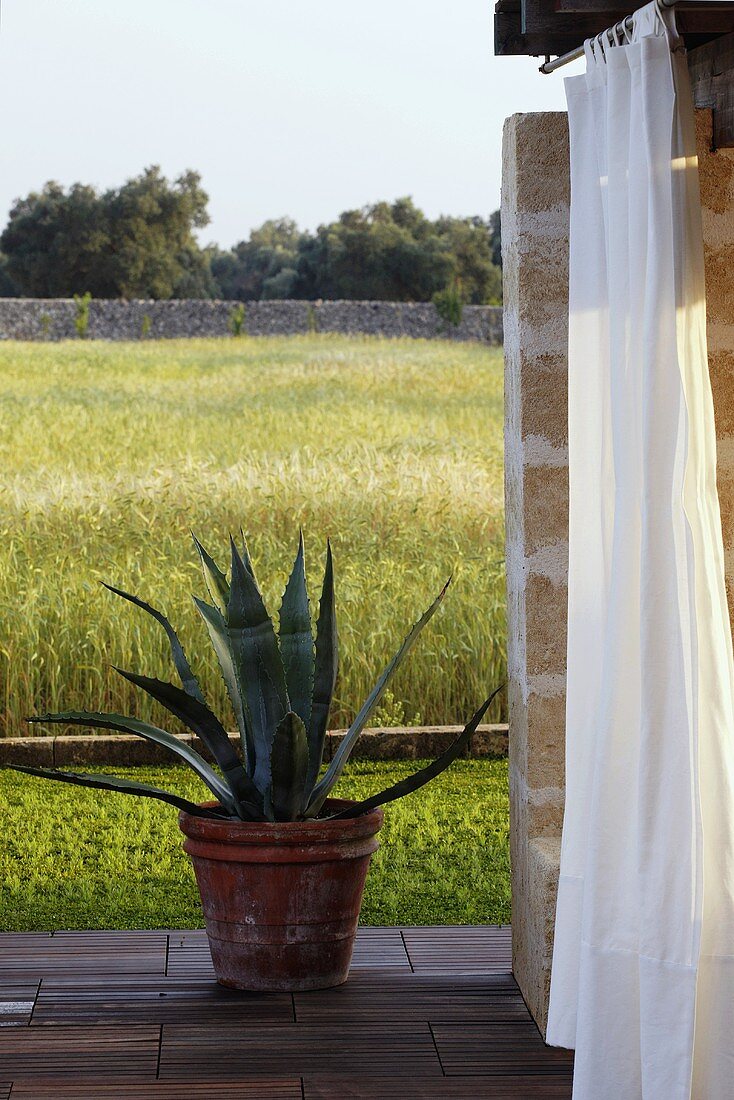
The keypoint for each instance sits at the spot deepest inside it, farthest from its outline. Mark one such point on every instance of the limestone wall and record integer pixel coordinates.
(53, 319)
(717, 196)
(535, 215)
(535, 206)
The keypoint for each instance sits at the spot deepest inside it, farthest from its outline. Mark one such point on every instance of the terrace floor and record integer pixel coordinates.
(427, 1012)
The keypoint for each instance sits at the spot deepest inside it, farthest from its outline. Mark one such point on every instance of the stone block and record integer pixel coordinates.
(542, 280)
(719, 263)
(533, 946)
(544, 402)
(518, 730)
(721, 371)
(33, 752)
(545, 507)
(546, 741)
(489, 741)
(725, 486)
(546, 606)
(537, 144)
(545, 812)
(200, 747)
(418, 742)
(120, 750)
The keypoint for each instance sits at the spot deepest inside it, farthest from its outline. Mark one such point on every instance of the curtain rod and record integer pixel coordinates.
(612, 33)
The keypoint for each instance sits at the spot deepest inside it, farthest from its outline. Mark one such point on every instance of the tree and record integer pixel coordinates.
(470, 242)
(152, 244)
(387, 251)
(384, 252)
(392, 251)
(495, 224)
(54, 239)
(264, 266)
(136, 241)
(8, 288)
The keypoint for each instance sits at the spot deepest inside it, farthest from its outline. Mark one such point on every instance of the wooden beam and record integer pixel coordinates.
(604, 7)
(712, 76)
(539, 27)
(582, 20)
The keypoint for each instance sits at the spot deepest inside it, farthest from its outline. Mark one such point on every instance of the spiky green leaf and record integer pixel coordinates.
(425, 775)
(219, 636)
(258, 664)
(326, 668)
(246, 558)
(288, 766)
(122, 786)
(158, 736)
(183, 668)
(296, 639)
(201, 721)
(342, 753)
(214, 579)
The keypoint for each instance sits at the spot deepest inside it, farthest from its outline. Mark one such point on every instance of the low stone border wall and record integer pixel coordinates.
(115, 319)
(123, 750)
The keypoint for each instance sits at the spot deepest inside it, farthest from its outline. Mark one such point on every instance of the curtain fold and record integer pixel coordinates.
(642, 982)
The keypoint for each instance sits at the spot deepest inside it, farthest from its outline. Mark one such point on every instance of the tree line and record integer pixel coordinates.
(139, 241)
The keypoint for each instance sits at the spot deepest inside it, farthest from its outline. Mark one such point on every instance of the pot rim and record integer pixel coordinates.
(314, 830)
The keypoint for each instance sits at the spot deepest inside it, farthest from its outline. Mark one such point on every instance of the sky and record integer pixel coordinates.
(286, 108)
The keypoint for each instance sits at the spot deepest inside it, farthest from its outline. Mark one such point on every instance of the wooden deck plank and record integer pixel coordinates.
(76, 1053)
(397, 997)
(445, 1088)
(192, 1053)
(496, 1049)
(124, 1000)
(277, 1089)
(17, 999)
(469, 949)
(188, 952)
(36, 956)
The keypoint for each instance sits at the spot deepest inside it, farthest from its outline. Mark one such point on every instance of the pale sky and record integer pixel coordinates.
(285, 107)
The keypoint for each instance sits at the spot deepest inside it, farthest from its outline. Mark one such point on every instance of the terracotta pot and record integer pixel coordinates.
(281, 900)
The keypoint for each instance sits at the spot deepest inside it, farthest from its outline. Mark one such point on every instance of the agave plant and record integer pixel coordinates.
(281, 687)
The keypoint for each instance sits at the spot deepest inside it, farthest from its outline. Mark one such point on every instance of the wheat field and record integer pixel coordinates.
(111, 453)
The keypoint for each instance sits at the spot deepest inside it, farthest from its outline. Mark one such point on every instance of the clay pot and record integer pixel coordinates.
(281, 900)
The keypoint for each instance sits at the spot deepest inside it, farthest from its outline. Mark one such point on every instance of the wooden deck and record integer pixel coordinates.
(427, 1013)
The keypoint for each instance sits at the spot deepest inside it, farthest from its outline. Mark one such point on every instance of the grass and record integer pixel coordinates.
(77, 859)
(110, 453)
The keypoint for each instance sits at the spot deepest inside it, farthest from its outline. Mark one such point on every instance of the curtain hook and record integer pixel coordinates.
(590, 54)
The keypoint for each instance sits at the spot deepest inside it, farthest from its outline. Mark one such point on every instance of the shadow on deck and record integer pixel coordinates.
(427, 1013)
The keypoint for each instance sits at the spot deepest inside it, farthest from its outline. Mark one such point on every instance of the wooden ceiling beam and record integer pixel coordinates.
(541, 17)
(712, 76)
(539, 27)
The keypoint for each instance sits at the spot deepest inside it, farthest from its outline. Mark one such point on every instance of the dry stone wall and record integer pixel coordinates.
(53, 319)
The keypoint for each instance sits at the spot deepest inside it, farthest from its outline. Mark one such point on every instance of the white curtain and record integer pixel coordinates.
(643, 967)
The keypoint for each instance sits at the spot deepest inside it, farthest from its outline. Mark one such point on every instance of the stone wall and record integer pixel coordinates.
(717, 196)
(53, 319)
(535, 211)
(535, 217)
(384, 743)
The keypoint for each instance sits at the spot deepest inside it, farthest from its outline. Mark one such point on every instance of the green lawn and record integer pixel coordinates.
(82, 859)
(110, 453)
